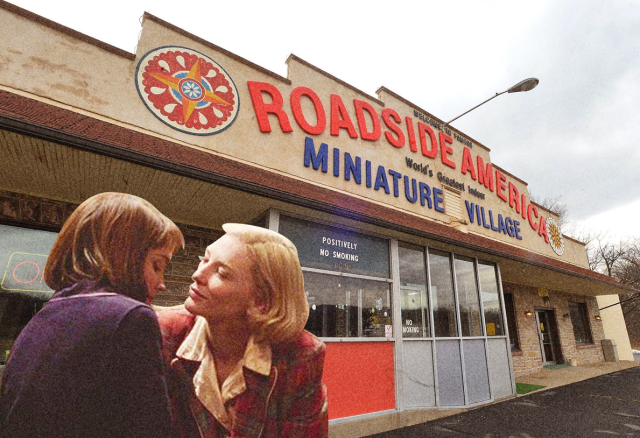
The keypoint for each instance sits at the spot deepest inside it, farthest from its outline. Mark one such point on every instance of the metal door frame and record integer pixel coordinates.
(551, 333)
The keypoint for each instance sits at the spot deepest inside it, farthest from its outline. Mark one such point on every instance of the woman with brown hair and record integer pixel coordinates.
(241, 363)
(89, 364)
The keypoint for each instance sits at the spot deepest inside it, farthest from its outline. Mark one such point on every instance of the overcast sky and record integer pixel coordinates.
(575, 135)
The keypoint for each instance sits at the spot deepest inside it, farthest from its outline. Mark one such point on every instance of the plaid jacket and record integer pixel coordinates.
(291, 402)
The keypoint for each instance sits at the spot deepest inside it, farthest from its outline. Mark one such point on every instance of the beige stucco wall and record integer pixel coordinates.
(46, 64)
(614, 325)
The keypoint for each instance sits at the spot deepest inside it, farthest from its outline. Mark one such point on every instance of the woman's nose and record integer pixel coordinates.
(199, 274)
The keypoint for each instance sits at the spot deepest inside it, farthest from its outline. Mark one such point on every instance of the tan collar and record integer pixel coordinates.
(257, 358)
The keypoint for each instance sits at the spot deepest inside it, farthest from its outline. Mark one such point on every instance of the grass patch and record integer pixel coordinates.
(556, 366)
(523, 388)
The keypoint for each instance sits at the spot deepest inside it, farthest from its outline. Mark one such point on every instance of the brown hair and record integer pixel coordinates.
(106, 239)
(279, 283)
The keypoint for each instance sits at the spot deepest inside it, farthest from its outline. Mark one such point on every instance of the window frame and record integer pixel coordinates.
(510, 313)
(583, 315)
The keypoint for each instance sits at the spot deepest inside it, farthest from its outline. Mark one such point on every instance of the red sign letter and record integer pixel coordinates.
(485, 176)
(542, 229)
(262, 109)
(296, 107)
(467, 163)
(430, 153)
(412, 134)
(532, 212)
(514, 194)
(340, 118)
(388, 113)
(445, 150)
(361, 107)
(500, 185)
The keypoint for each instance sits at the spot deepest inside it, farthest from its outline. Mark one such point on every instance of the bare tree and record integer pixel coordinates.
(628, 270)
(610, 256)
(620, 260)
(590, 239)
(555, 204)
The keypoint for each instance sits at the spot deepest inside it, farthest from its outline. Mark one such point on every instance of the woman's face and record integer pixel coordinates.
(223, 285)
(153, 269)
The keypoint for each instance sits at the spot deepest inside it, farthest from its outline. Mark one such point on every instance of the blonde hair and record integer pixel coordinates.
(279, 283)
(106, 239)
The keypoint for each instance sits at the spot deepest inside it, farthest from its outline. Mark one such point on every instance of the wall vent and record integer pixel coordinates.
(452, 203)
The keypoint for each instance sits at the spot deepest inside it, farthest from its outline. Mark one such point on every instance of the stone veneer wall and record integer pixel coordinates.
(177, 276)
(24, 210)
(528, 359)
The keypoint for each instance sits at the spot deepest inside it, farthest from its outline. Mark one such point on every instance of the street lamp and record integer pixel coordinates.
(526, 85)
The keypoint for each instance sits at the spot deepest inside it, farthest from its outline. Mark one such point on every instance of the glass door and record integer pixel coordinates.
(545, 336)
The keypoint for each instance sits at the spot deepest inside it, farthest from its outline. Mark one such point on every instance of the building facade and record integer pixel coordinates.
(430, 275)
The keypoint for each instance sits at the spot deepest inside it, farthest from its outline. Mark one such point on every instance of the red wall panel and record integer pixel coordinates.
(359, 378)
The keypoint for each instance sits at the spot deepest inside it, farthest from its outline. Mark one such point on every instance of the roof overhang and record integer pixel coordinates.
(30, 118)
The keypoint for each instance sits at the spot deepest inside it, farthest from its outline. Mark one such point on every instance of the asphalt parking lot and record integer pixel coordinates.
(605, 406)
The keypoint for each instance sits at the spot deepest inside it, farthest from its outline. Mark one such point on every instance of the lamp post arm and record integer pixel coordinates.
(492, 97)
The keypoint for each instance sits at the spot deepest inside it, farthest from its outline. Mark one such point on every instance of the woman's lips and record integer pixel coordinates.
(194, 294)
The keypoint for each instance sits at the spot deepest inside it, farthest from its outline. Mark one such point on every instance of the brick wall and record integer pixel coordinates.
(24, 210)
(177, 276)
(528, 359)
(33, 211)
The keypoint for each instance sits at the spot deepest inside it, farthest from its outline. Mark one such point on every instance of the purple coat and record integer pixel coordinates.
(89, 364)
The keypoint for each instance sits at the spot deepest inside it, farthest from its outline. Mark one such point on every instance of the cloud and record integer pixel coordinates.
(576, 133)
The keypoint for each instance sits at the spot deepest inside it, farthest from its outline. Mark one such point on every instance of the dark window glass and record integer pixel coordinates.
(413, 290)
(470, 321)
(490, 298)
(442, 298)
(260, 221)
(511, 321)
(23, 292)
(347, 307)
(580, 321)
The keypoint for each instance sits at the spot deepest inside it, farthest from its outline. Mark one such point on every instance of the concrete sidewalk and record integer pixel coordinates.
(549, 378)
(605, 405)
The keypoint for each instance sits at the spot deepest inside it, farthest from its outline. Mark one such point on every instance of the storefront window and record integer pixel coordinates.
(442, 298)
(413, 290)
(23, 292)
(580, 321)
(470, 321)
(342, 306)
(490, 298)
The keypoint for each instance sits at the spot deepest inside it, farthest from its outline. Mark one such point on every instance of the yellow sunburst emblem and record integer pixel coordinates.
(555, 236)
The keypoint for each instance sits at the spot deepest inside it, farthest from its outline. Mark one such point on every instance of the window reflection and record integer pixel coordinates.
(347, 307)
(490, 298)
(442, 298)
(580, 321)
(413, 290)
(470, 321)
(16, 310)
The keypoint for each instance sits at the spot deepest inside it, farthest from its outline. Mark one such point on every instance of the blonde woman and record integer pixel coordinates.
(89, 364)
(241, 363)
